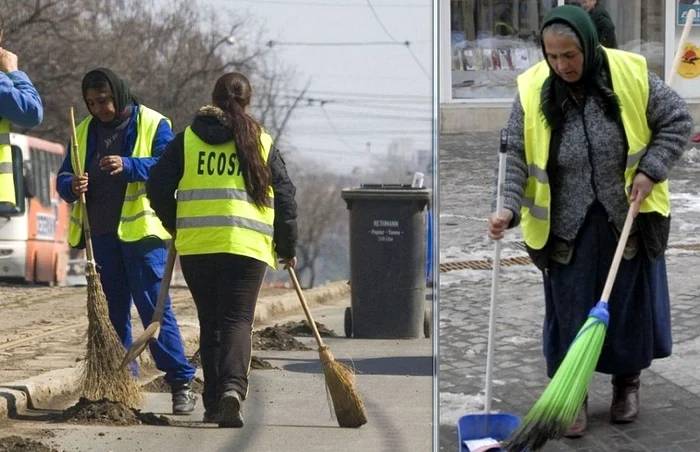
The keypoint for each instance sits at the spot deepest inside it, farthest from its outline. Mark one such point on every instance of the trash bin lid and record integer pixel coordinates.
(387, 192)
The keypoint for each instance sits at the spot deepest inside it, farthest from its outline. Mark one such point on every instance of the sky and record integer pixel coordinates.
(376, 93)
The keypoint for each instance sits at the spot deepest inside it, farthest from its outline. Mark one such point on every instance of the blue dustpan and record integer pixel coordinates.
(498, 426)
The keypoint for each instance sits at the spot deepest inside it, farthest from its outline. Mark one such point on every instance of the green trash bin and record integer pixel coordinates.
(387, 261)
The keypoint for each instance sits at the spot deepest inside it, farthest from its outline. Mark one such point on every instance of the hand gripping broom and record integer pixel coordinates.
(100, 376)
(340, 380)
(558, 406)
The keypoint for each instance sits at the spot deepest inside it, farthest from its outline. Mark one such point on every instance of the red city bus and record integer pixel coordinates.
(34, 233)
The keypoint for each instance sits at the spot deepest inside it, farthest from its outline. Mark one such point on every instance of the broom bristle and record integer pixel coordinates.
(100, 375)
(340, 380)
(559, 404)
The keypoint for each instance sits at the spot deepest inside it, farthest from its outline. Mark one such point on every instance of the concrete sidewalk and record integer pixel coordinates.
(48, 368)
(287, 407)
(670, 393)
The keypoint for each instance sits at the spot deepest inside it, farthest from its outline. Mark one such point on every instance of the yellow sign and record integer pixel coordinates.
(689, 66)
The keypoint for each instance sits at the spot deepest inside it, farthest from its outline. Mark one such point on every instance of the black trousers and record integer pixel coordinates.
(225, 289)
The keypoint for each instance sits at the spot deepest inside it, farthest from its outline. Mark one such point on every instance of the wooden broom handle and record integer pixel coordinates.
(628, 221)
(165, 283)
(621, 244)
(77, 170)
(681, 43)
(304, 305)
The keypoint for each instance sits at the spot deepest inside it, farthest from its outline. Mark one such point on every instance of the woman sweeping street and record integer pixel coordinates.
(592, 132)
(118, 142)
(235, 214)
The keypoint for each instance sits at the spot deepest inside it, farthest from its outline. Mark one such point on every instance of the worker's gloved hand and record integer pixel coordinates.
(8, 61)
(79, 184)
(289, 262)
(498, 224)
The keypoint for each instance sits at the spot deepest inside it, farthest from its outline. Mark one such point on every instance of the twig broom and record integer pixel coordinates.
(558, 406)
(100, 376)
(340, 379)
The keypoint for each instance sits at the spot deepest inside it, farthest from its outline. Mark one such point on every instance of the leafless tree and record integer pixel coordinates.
(170, 55)
(322, 217)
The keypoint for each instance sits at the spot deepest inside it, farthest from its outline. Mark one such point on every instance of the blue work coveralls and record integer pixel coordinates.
(134, 270)
(19, 101)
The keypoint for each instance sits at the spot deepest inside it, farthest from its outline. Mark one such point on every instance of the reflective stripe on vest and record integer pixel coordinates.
(137, 220)
(630, 81)
(215, 214)
(7, 181)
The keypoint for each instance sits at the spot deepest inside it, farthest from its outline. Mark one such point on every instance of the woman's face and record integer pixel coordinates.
(101, 104)
(564, 56)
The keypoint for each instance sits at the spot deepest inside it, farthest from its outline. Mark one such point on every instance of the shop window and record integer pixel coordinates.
(639, 27)
(494, 41)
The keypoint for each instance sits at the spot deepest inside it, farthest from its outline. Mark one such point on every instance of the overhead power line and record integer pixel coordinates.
(339, 4)
(336, 44)
(408, 45)
(335, 131)
(313, 92)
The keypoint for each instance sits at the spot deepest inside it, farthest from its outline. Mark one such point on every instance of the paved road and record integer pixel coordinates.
(287, 409)
(671, 388)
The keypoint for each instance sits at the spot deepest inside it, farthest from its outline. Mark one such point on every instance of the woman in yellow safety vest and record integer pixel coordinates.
(234, 216)
(591, 132)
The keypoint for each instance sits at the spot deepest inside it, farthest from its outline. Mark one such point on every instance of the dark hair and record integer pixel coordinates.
(232, 94)
(96, 80)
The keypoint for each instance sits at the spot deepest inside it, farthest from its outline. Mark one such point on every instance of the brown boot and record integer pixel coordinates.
(579, 426)
(625, 400)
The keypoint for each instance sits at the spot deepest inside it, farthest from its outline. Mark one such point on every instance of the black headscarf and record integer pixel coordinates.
(124, 100)
(555, 90)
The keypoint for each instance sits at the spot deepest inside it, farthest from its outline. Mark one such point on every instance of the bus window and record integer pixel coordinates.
(17, 166)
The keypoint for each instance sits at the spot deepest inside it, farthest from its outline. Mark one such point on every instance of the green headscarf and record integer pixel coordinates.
(555, 90)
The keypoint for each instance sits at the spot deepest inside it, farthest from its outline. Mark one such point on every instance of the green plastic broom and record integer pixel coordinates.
(560, 402)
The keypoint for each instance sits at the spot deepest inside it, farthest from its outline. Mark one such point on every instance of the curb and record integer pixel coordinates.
(41, 390)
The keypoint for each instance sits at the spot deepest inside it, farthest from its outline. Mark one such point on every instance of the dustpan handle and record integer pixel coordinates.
(496, 272)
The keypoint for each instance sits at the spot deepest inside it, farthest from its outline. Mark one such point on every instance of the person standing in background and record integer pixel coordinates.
(603, 23)
(19, 104)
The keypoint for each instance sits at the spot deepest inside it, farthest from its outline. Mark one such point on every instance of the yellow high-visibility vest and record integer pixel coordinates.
(630, 80)
(137, 220)
(215, 214)
(7, 182)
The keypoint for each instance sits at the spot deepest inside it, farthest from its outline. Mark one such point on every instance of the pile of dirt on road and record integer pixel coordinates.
(261, 364)
(304, 329)
(106, 412)
(256, 362)
(159, 385)
(273, 338)
(20, 444)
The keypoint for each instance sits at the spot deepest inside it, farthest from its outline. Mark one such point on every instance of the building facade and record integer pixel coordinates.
(485, 44)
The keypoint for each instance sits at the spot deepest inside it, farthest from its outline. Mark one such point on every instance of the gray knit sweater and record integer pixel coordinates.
(577, 184)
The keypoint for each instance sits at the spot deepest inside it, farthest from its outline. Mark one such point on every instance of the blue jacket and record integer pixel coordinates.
(135, 169)
(19, 101)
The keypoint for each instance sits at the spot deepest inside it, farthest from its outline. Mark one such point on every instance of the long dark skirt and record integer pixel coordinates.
(640, 317)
